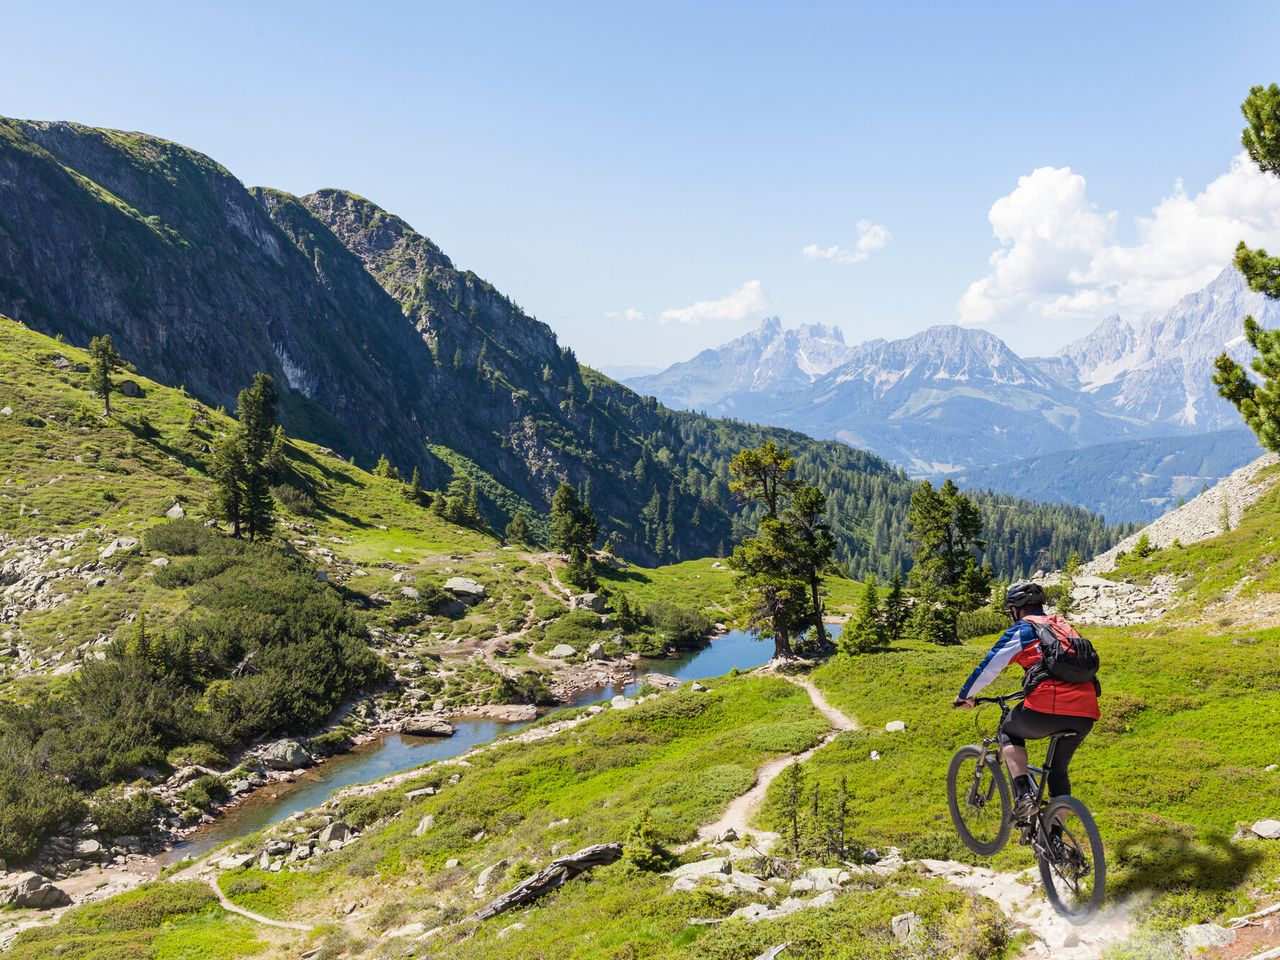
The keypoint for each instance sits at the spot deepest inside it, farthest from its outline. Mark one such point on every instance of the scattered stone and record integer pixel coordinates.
(1267, 829)
(895, 726)
(508, 930)
(661, 680)
(773, 952)
(875, 754)
(905, 926)
(425, 824)
(560, 651)
(236, 862)
(597, 651)
(6, 411)
(492, 872)
(32, 891)
(1202, 936)
(452, 864)
(118, 545)
(465, 589)
(587, 601)
(702, 868)
(410, 593)
(427, 725)
(285, 754)
(622, 703)
(337, 831)
(160, 562)
(697, 687)
(420, 792)
(175, 512)
(1271, 767)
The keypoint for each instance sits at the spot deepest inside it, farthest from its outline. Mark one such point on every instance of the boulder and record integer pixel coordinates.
(285, 754)
(160, 562)
(905, 926)
(425, 824)
(420, 792)
(130, 388)
(697, 687)
(661, 680)
(427, 725)
(32, 891)
(560, 651)
(588, 601)
(118, 545)
(465, 589)
(895, 726)
(702, 868)
(175, 512)
(410, 593)
(236, 862)
(88, 849)
(1267, 829)
(1201, 936)
(336, 831)
(597, 652)
(622, 703)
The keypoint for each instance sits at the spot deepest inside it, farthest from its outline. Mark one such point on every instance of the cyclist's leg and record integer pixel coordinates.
(1014, 750)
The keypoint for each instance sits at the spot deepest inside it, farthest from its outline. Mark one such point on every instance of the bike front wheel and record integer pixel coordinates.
(979, 798)
(1074, 869)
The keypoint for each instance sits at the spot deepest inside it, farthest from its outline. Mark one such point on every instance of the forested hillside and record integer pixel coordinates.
(380, 345)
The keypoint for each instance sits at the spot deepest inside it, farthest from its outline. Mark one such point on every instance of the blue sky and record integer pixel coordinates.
(611, 165)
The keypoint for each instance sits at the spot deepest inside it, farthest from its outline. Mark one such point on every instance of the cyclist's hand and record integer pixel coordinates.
(960, 704)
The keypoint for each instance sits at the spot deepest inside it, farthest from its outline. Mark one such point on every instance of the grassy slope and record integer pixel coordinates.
(682, 756)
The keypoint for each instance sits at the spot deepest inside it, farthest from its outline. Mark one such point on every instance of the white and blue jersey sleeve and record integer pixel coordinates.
(1011, 643)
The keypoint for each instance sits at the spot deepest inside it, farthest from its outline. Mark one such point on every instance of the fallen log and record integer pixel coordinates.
(551, 877)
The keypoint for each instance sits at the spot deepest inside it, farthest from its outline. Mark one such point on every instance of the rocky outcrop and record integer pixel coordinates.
(285, 754)
(1120, 603)
(32, 891)
(1199, 519)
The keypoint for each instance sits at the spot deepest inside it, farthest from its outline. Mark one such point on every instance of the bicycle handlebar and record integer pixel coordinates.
(1017, 695)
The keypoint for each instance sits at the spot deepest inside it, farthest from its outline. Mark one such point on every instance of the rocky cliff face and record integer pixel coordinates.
(378, 342)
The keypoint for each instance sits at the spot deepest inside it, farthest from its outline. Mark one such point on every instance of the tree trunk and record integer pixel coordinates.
(820, 628)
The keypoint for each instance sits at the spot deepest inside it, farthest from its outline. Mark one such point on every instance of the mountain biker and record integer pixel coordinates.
(1052, 706)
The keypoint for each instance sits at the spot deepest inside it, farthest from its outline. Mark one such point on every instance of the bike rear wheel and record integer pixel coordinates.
(980, 803)
(1074, 872)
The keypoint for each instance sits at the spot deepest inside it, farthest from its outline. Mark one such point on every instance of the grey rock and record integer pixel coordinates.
(32, 891)
(895, 726)
(337, 830)
(1202, 936)
(588, 601)
(236, 861)
(285, 754)
(465, 589)
(622, 703)
(425, 824)
(1267, 829)
(175, 512)
(410, 593)
(420, 792)
(905, 926)
(560, 651)
(427, 725)
(118, 545)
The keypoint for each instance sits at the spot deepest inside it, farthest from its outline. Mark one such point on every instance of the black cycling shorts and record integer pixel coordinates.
(1026, 724)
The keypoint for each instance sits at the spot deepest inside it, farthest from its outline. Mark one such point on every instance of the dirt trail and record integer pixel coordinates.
(738, 814)
(250, 915)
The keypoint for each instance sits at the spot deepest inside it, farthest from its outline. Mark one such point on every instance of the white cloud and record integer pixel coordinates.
(749, 302)
(871, 238)
(1059, 259)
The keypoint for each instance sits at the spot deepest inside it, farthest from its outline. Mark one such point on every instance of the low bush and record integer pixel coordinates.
(203, 792)
(118, 814)
(981, 623)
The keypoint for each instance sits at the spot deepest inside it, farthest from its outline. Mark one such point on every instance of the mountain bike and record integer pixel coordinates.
(1073, 868)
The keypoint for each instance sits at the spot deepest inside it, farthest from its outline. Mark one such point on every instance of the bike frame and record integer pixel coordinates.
(1039, 775)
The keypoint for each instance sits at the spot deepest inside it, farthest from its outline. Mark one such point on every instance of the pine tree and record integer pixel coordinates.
(946, 577)
(103, 361)
(813, 548)
(413, 489)
(762, 474)
(258, 415)
(519, 530)
(573, 531)
(230, 471)
(864, 632)
(895, 609)
(1258, 401)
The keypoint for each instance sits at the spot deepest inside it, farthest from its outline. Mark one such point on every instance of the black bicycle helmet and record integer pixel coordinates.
(1023, 594)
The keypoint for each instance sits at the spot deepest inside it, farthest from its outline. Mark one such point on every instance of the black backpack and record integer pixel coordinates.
(1071, 660)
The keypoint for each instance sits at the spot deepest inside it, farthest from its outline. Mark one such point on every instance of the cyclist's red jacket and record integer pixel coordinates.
(1020, 645)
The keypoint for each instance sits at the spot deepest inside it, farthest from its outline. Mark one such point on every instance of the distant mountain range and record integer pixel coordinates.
(958, 400)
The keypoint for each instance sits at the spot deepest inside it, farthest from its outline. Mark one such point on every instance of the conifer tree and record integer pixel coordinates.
(1258, 401)
(230, 472)
(895, 609)
(413, 489)
(812, 548)
(573, 531)
(864, 632)
(946, 577)
(103, 361)
(519, 530)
